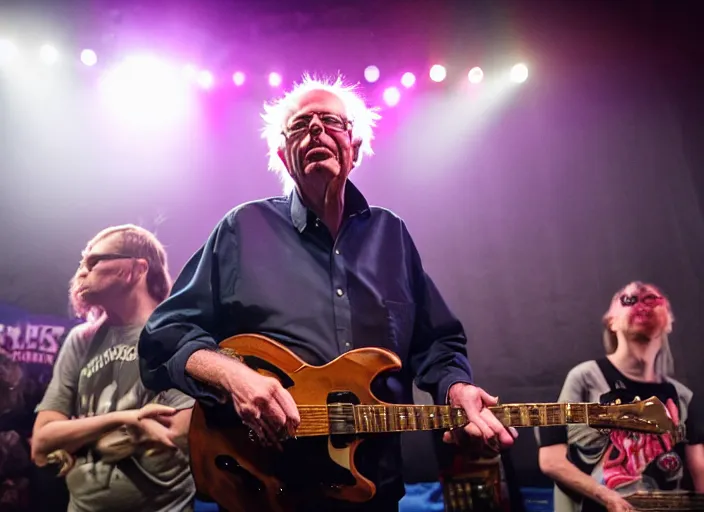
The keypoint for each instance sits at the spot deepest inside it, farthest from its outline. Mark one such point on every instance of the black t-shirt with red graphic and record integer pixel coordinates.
(625, 461)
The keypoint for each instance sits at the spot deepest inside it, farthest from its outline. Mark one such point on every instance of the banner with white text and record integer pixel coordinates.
(29, 345)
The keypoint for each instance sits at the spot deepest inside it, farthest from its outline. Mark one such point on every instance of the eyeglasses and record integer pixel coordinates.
(651, 300)
(332, 122)
(92, 260)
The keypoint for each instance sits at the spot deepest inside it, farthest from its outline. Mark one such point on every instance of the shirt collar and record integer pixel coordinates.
(355, 204)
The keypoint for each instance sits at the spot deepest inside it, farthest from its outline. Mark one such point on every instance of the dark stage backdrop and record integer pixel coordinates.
(528, 217)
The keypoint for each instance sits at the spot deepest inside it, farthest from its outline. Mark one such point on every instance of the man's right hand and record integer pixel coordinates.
(264, 405)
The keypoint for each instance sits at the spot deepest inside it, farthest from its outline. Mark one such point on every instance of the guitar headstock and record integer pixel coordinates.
(649, 416)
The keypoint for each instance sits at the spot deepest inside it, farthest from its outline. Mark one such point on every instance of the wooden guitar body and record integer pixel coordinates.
(234, 469)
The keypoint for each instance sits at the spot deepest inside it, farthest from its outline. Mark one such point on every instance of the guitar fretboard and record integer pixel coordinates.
(545, 414)
(363, 419)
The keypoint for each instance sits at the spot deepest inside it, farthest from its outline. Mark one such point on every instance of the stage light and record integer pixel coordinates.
(8, 51)
(238, 78)
(438, 73)
(145, 90)
(49, 54)
(89, 57)
(519, 73)
(371, 74)
(190, 71)
(205, 79)
(475, 75)
(408, 79)
(274, 79)
(392, 96)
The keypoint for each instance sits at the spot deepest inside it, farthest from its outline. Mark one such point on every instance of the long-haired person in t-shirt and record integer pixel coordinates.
(594, 471)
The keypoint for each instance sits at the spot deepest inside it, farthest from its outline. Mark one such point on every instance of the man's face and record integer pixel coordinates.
(640, 311)
(105, 273)
(319, 146)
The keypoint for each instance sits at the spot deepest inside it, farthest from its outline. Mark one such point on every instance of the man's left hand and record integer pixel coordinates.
(482, 422)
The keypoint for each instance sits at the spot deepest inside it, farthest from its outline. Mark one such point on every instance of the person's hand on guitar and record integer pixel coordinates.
(264, 405)
(613, 501)
(482, 422)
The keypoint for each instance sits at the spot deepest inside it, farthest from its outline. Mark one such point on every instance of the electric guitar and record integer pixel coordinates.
(338, 411)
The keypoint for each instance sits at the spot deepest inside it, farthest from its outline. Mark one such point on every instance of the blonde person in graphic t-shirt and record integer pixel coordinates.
(596, 472)
(96, 387)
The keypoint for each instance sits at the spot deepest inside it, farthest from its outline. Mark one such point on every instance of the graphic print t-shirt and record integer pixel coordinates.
(98, 375)
(627, 462)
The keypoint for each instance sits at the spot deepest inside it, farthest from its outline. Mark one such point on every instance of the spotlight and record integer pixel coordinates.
(519, 73)
(475, 75)
(392, 96)
(371, 74)
(238, 78)
(145, 90)
(205, 79)
(8, 51)
(408, 79)
(274, 79)
(48, 54)
(88, 57)
(190, 71)
(438, 73)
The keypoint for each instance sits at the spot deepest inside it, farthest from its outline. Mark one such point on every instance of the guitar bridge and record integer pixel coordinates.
(341, 419)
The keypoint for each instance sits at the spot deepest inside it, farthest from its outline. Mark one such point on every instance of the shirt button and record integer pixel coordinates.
(340, 293)
(337, 251)
(347, 344)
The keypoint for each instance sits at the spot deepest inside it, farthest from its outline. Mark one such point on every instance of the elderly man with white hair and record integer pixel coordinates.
(322, 272)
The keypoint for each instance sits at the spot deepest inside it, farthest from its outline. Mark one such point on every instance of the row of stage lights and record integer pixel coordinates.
(205, 79)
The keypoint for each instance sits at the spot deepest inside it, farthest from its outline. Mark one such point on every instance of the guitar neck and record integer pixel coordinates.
(366, 419)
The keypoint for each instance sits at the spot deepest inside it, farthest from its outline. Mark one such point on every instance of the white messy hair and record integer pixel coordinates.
(277, 113)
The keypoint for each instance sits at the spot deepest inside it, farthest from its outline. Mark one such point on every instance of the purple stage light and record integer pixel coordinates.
(392, 96)
(438, 73)
(274, 79)
(89, 57)
(408, 79)
(475, 75)
(238, 78)
(371, 74)
(205, 79)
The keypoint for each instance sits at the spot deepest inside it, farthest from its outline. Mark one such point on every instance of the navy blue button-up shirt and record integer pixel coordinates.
(271, 267)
